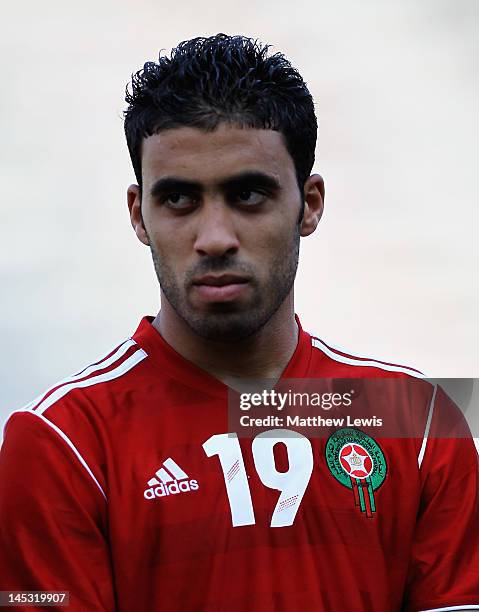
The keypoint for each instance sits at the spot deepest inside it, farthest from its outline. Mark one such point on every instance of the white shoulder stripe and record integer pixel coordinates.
(103, 363)
(70, 444)
(452, 608)
(124, 367)
(373, 363)
(420, 457)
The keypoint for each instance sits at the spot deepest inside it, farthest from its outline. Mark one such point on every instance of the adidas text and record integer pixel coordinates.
(172, 488)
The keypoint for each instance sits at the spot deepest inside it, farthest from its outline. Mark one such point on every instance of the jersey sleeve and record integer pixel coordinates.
(444, 568)
(53, 524)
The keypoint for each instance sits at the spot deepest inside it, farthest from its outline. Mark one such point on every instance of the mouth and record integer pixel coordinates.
(221, 288)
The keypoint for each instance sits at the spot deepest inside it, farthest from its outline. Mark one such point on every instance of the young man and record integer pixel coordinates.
(126, 485)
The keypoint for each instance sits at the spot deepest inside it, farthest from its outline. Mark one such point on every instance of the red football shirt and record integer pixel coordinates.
(121, 486)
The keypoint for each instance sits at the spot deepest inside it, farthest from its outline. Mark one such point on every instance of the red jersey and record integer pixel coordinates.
(124, 486)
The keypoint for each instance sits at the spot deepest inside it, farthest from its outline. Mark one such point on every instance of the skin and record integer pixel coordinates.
(216, 227)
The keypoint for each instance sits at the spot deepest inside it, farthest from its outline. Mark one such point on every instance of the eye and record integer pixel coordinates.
(249, 197)
(178, 200)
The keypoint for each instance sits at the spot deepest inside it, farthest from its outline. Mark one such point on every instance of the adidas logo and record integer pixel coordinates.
(170, 479)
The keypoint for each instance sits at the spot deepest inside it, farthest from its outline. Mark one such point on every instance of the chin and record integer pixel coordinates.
(225, 326)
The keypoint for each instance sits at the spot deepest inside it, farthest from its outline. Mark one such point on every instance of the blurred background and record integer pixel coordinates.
(391, 272)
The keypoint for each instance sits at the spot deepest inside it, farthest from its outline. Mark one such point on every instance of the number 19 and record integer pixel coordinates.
(292, 483)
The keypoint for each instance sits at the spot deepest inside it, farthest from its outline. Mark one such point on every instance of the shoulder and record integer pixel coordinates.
(114, 366)
(79, 401)
(69, 417)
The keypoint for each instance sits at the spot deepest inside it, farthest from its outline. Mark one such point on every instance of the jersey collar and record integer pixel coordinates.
(170, 362)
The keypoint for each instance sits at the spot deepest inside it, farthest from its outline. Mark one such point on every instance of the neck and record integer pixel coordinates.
(265, 354)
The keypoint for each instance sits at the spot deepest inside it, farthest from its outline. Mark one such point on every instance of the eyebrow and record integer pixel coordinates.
(238, 181)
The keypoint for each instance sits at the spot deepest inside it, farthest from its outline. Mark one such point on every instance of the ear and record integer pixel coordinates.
(134, 206)
(313, 204)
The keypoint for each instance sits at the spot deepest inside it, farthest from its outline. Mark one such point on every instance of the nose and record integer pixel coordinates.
(216, 234)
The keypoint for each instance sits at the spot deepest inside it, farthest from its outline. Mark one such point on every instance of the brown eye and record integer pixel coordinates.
(178, 200)
(250, 197)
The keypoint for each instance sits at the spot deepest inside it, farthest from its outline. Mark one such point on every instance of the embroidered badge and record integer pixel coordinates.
(357, 462)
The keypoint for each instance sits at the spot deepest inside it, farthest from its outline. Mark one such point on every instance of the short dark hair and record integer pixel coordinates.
(222, 78)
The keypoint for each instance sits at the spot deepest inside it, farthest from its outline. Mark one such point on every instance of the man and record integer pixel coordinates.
(125, 484)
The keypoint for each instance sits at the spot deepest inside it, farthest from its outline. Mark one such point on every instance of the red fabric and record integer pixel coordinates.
(418, 551)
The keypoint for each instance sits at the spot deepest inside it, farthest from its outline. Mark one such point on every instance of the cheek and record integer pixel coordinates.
(172, 238)
(273, 243)
(169, 249)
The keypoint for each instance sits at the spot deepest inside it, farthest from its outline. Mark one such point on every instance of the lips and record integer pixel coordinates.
(221, 288)
(220, 281)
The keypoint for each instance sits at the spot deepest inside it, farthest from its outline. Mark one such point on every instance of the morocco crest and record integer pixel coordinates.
(358, 463)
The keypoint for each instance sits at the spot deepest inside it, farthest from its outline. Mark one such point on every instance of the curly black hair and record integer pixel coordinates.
(222, 78)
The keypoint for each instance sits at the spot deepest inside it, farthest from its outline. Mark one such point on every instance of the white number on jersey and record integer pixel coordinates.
(292, 484)
(228, 449)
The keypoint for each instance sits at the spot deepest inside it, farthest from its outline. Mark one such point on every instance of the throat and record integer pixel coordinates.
(255, 360)
(263, 355)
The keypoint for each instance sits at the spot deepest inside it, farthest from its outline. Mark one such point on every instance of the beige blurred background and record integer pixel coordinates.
(391, 272)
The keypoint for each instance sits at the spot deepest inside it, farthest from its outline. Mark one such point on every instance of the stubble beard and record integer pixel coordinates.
(227, 322)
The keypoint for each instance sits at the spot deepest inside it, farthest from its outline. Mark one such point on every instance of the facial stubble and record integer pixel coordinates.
(227, 322)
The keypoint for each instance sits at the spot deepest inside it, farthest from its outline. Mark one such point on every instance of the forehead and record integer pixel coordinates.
(190, 152)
